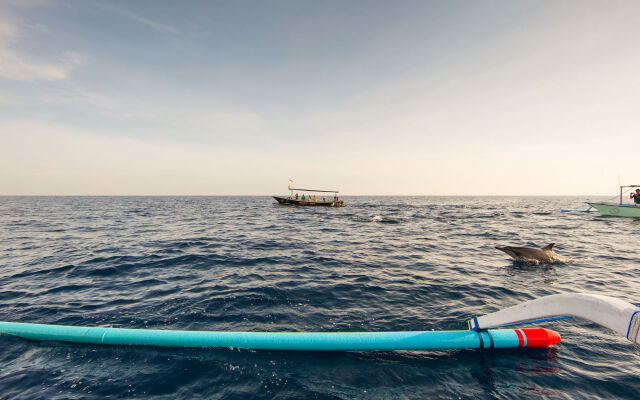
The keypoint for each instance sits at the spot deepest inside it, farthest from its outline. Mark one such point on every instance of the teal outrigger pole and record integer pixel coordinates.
(310, 341)
(615, 314)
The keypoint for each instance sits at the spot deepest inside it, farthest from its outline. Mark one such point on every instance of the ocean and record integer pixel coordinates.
(247, 264)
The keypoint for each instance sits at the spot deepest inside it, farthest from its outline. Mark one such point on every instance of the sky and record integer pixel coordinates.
(365, 97)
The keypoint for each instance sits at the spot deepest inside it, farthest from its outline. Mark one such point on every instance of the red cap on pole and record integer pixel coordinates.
(541, 337)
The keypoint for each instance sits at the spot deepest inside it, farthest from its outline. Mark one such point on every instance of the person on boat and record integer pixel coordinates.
(302, 197)
(315, 198)
(296, 196)
(635, 196)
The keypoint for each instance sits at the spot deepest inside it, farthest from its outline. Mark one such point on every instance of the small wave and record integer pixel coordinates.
(380, 219)
(532, 262)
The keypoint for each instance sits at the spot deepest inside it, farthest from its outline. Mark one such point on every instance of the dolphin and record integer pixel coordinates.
(530, 254)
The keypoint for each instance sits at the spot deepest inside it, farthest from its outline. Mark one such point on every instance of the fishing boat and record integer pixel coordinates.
(297, 199)
(620, 209)
(485, 332)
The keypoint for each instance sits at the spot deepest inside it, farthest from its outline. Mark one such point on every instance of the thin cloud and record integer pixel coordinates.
(157, 26)
(29, 3)
(16, 66)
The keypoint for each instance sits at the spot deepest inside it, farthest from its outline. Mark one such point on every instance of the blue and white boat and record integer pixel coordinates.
(620, 209)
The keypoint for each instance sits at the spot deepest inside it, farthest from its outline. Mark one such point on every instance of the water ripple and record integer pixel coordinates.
(243, 263)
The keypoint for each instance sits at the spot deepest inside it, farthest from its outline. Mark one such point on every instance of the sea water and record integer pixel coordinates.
(247, 264)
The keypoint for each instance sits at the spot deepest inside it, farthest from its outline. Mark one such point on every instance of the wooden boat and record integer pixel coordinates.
(619, 210)
(295, 200)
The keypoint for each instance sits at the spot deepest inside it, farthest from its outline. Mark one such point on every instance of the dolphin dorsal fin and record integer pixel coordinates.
(548, 247)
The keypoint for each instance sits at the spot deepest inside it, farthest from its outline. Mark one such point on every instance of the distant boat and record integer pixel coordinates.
(295, 199)
(619, 210)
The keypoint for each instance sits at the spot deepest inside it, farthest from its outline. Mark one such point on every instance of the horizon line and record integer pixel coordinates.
(270, 195)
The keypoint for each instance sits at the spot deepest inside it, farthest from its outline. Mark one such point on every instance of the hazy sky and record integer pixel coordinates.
(368, 97)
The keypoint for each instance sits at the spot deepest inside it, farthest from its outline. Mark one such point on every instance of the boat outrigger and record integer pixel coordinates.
(619, 210)
(295, 199)
(615, 314)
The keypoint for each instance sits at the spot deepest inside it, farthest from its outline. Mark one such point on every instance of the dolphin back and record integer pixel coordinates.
(531, 254)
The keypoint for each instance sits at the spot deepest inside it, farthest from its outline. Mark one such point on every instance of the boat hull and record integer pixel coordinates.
(617, 210)
(285, 201)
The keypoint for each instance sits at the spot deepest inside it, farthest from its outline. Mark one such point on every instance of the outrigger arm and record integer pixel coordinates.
(612, 313)
(618, 315)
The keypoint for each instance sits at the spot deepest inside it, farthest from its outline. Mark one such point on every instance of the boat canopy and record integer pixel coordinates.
(314, 190)
(626, 186)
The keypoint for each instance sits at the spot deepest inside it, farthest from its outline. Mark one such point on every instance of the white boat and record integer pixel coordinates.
(619, 210)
